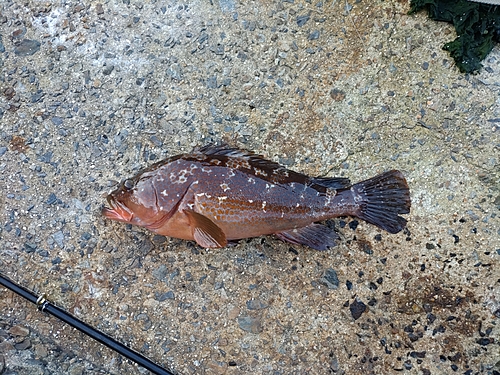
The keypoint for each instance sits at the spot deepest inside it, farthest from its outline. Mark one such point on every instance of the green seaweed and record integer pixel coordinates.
(477, 26)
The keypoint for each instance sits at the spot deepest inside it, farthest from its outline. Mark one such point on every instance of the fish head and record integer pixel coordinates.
(134, 202)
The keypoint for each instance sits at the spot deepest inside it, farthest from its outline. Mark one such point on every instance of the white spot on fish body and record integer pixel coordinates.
(164, 193)
(331, 192)
(260, 172)
(264, 206)
(250, 201)
(200, 194)
(179, 179)
(251, 180)
(206, 170)
(355, 195)
(327, 201)
(222, 198)
(225, 187)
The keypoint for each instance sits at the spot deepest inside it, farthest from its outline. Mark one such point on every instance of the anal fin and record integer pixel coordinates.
(205, 232)
(317, 236)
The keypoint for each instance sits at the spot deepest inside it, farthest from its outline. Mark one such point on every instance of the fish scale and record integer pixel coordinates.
(218, 194)
(263, 204)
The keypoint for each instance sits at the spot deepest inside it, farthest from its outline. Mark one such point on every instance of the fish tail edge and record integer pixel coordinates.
(382, 198)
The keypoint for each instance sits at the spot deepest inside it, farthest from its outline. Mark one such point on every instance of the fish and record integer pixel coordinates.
(217, 195)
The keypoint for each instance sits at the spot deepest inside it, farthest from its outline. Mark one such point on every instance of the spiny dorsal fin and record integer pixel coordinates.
(255, 164)
(226, 150)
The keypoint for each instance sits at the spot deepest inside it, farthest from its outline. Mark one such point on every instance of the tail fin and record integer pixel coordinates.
(382, 198)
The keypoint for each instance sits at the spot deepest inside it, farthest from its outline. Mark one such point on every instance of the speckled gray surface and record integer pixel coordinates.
(92, 92)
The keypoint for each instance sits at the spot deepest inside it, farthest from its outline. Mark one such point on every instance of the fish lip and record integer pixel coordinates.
(118, 211)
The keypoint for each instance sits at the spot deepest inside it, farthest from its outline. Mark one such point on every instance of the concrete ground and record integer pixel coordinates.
(91, 92)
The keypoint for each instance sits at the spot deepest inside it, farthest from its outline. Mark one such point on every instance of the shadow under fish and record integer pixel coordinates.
(218, 194)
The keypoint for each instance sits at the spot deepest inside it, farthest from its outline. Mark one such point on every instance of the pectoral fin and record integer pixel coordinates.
(317, 236)
(205, 232)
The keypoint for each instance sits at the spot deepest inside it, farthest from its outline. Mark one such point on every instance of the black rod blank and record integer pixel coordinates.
(44, 305)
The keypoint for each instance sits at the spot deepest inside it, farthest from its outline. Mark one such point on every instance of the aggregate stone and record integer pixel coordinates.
(314, 35)
(256, 304)
(51, 199)
(330, 278)
(57, 120)
(250, 324)
(146, 321)
(302, 19)
(357, 308)
(160, 297)
(19, 331)
(27, 47)
(58, 238)
(6, 346)
(108, 69)
(160, 273)
(23, 345)
(76, 369)
(37, 96)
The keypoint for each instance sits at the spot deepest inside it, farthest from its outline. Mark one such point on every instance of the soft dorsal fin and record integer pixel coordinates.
(205, 232)
(332, 182)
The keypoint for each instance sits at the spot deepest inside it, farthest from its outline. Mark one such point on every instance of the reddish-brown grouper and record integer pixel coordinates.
(217, 194)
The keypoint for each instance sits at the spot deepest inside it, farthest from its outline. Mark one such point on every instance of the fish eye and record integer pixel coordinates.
(128, 184)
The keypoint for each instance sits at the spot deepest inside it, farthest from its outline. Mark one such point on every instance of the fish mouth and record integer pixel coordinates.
(118, 211)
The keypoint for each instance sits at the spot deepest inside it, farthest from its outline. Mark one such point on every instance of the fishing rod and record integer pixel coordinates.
(44, 305)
